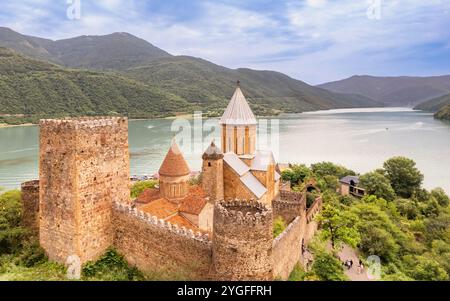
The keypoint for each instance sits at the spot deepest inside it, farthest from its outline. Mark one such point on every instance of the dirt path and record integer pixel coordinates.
(352, 273)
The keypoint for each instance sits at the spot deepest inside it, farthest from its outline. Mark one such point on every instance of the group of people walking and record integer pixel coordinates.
(349, 264)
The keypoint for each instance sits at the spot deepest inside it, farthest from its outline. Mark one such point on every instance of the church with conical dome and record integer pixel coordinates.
(236, 170)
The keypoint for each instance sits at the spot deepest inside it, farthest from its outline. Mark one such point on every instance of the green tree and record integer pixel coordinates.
(423, 268)
(405, 178)
(328, 268)
(296, 174)
(323, 169)
(338, 226)
(440, 196)
(377, 184)
(11, 232)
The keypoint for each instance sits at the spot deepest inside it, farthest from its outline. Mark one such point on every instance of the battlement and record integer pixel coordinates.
(30, 185)
(291, 196)
(242, 212)
(162, 224)
(83, 122)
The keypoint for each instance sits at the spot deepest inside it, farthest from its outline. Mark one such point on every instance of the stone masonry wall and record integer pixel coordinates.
(233, 186)
(30, 205)
(84, 168)
(242, 241)
(286, 250)
(152, 244)
(289, 205)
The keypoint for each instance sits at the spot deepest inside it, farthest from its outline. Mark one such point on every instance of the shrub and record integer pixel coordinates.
(11, 232)
(279, 225)
(440, 196)
(328, 268)
(111, 266)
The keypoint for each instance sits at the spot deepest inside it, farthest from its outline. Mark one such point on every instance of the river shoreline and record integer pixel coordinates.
(5, 125)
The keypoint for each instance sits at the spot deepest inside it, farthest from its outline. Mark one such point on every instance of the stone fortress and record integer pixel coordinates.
(219, 229)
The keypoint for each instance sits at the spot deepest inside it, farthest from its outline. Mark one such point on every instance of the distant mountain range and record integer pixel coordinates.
(130, 75)
(393, 91)
(435, 104)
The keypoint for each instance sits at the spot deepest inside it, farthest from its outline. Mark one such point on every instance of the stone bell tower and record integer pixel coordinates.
(239, 126)
(212, 172)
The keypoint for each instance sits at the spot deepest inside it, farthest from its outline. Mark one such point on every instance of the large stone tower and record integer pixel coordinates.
(84, 168)
(242, 241)
(212, 173)
(174, 175)
(238, 126)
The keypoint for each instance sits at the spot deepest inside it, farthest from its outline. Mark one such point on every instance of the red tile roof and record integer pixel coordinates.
(182, 221)
(174, 164)
(161, 208)
(194, 202)
(148, 195)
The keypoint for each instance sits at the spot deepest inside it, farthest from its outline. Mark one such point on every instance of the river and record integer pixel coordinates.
(360, 139)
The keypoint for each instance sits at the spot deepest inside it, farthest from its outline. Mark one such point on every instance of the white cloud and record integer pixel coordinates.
(314, 40)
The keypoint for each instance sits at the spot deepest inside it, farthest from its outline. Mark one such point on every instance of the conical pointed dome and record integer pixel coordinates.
(174, 164)
(238, 111)
(212, 152)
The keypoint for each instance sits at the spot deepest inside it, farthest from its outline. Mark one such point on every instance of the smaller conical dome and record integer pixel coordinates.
(174, 164)
(212, 152)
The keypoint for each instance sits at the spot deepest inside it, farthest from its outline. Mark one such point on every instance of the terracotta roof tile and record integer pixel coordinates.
(194, 202)
(182, 221)
(161, 208)
(174, 164)
(148, 195)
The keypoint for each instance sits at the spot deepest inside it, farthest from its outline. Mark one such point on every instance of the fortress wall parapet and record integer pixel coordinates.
(152, 244)
(289, 205)
(242, 240)
(286, 249)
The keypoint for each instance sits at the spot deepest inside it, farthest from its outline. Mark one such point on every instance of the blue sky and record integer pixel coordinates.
(312, 40)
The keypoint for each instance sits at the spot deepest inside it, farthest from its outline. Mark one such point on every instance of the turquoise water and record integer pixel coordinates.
(361, 139)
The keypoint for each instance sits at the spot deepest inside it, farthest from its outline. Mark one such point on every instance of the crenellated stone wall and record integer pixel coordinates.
(153, 244)
(286, 250)
(289, 205)
(242, 241)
